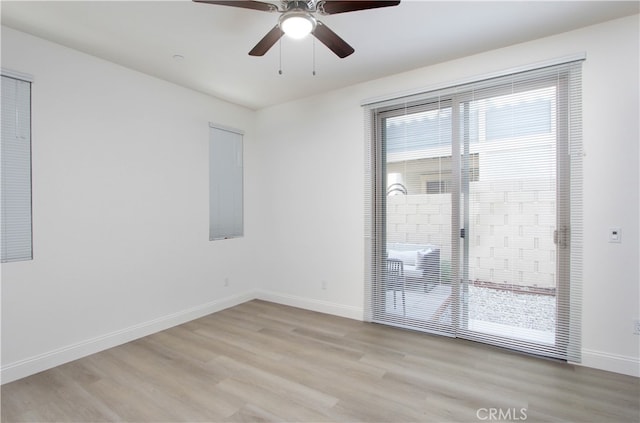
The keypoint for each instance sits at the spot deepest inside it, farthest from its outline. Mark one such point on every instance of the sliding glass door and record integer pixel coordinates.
(471, 223)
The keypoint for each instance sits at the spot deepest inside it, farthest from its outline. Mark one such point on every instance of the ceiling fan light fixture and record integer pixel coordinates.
(297, 24)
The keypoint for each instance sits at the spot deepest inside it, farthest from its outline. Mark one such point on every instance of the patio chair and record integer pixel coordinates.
(396, 281)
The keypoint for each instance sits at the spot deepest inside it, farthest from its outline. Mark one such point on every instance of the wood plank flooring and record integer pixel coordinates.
(266, 362)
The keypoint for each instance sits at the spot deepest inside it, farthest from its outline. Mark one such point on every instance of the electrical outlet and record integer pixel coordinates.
(324, 285)
(226, 281)
(636, 327)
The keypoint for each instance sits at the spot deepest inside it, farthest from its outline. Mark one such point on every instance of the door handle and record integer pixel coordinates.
(561, 237)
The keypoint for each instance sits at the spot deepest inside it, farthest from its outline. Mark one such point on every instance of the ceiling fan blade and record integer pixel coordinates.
(331, 7)
(255, 5)
(267, 42)
(332, 40)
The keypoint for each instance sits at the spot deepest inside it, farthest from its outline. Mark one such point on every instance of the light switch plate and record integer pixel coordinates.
(615, 235)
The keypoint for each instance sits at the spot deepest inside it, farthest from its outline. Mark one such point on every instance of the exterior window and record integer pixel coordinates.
(225, 183)
(16, 170)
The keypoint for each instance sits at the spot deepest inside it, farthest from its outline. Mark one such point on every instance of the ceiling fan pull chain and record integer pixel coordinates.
(280, 48)
(314, 56)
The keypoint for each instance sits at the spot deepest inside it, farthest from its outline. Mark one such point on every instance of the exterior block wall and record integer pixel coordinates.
(510, 235)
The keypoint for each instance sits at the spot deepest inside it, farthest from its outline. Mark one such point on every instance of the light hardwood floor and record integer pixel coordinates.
(266, 362)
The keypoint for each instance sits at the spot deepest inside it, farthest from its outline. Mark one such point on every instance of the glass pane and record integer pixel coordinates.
(418, 217)
(511, 286)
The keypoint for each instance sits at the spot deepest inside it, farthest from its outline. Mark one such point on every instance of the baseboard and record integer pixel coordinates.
(41, 362)
(611, 362)
(350, 312)
(23, 368)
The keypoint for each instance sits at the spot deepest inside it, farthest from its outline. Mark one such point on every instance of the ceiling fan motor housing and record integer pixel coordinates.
(308, 6)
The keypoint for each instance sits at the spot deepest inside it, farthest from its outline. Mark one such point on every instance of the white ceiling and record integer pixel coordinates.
(215, 40)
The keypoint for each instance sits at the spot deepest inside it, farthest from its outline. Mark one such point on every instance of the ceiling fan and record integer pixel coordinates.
(297, 20)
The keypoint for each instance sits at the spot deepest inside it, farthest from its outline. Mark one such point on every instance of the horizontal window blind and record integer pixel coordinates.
(226, 210)
(487, 174)
(16, 170)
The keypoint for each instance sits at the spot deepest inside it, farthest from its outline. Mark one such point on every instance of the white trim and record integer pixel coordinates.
(524, 68)
(226, 128)
(611, 362)
(16, 75)
(23, 368)
(350, 312)
(32, 365)
(47, 360)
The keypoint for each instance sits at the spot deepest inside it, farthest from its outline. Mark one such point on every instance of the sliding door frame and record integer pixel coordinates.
(460, 207)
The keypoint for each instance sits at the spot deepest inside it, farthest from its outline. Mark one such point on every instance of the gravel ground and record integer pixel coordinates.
(531, 311)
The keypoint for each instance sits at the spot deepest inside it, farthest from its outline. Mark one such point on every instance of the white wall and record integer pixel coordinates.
(312, 202)
(121, 199)
(120, 209)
